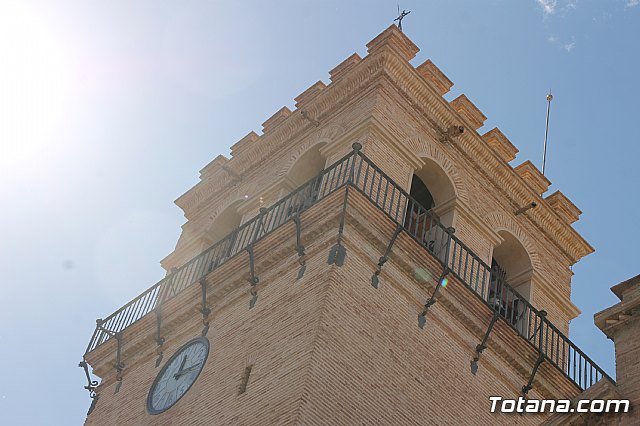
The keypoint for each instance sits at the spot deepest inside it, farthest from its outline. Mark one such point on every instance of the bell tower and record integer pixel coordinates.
(372, 257)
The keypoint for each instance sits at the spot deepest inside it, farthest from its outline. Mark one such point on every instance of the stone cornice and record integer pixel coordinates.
(564, 207)
(344, 66)
(620, 315)
(501, 144)
(534, 178)
(439, 81)
(468, 111)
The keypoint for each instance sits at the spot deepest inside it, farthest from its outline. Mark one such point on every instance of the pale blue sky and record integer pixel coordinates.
(108, 110)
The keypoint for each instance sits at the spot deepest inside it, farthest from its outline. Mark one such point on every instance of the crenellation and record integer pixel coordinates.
(214, 167)
(436, 78)
(463, 106)
(500, 144)
(245, 143)
(564, 207)
(309, 94)
(533, 177)
(343, 67)
(276, 119)
(394, 40)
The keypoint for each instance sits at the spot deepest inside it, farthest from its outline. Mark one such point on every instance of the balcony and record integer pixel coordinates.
(355, 171)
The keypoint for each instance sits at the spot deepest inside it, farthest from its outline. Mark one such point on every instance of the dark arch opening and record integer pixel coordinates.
(421, 220)
(420, 193)
(510, 263)
(419, 215)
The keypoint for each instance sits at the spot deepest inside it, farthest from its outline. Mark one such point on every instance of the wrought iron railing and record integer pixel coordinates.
(359, 172)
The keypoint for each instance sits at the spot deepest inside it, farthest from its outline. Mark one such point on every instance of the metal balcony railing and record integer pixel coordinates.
(359, 172)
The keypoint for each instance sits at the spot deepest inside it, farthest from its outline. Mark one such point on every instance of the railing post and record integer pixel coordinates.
(357, 146)
(543, 319)
(450, 230)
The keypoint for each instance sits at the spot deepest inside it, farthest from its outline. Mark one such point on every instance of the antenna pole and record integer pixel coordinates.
(546, 131)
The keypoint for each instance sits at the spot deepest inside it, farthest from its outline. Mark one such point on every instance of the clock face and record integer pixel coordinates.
(177, 375)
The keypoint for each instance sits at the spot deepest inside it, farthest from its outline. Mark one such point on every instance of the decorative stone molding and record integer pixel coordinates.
(500, 144)
(276, 119)
(344, 66)
(436, 78)
(203, 190)
(395, 40)
(244, 143)
(463, 106)
(213, 167)
(621, 315)
(563, 206)
(309, 94)
(533, 177)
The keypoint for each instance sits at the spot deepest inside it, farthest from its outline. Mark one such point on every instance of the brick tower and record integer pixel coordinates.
(371, 258)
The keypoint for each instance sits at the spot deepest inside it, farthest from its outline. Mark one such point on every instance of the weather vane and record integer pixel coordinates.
(401, 17)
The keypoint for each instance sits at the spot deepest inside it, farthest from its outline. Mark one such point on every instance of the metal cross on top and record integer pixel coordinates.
(401, 17)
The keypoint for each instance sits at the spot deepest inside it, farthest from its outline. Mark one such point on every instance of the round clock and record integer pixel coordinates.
(177, 375)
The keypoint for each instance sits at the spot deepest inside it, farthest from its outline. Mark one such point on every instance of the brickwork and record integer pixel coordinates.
(329, 348)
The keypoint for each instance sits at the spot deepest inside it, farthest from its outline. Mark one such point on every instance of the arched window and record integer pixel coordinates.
(420, 193)
(431, 186)
(228, 220)
(307, 167)
(418, 218)
(432, 191)
(510, 264)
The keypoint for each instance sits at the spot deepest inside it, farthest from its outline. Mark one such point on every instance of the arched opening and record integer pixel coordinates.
(510, 264)
(431, 192)
(309, 165)
(431, 185)
(305, 171)
(228, 220)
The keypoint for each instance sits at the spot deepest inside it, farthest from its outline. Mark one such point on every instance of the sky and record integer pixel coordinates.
(108, 110)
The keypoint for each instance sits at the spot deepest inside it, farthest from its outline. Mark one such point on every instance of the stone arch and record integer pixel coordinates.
(423, 149)
(224, 220)
(498, 222)
(324, 137)
(306, 164)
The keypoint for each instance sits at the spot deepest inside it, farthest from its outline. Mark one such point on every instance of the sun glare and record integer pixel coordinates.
(33, 90)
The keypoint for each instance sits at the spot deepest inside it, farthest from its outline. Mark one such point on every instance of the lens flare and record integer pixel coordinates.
(444, 282)
(421, 274)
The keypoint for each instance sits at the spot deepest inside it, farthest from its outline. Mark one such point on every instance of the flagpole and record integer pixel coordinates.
(546, 131)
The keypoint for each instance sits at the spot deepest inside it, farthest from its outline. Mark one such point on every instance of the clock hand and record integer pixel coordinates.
(184, 361)
(186, 370)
